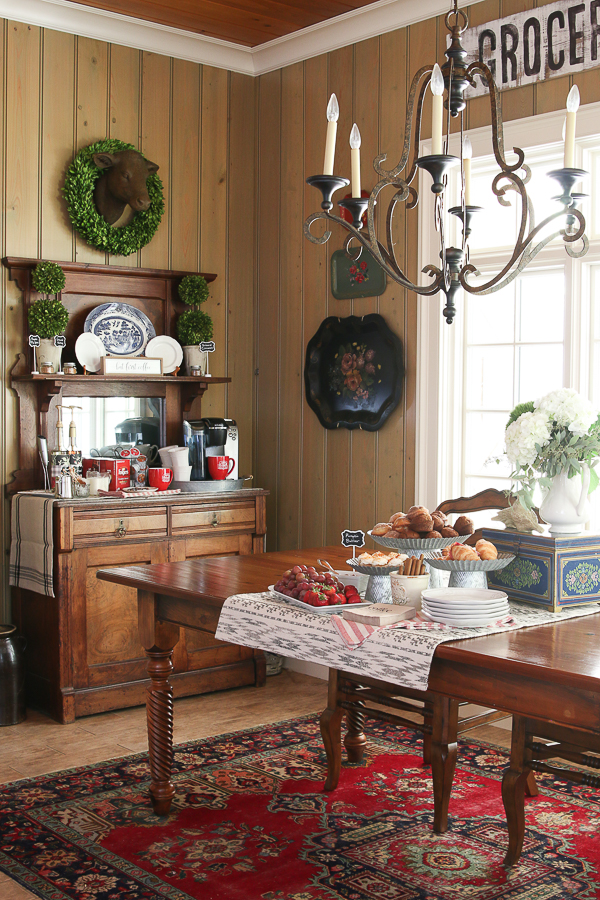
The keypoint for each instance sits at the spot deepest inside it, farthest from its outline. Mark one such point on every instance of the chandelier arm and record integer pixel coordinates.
(393, 173)
(497, 125)
(313, 237)
(525, 256)
(577, 254)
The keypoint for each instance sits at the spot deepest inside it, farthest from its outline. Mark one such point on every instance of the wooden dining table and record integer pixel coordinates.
(548, 672)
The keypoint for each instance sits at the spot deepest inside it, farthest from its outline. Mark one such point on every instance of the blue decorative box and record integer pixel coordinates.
(550, 571)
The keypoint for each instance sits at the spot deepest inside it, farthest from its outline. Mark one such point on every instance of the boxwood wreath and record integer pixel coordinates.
(82, 175)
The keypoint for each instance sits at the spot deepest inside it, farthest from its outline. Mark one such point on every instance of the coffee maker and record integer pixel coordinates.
(210, 437)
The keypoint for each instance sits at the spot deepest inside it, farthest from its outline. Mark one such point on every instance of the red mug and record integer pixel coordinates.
(160, 478)
(220, 466)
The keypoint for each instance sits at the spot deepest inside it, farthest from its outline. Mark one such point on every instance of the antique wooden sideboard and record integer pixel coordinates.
(83, 652)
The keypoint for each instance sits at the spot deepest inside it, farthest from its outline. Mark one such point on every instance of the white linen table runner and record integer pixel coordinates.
(401, 653)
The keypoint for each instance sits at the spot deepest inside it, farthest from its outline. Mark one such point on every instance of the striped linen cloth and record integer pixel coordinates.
(354, 634)
(31, 544)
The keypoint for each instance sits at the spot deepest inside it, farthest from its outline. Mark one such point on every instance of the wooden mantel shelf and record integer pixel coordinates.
(204, 380)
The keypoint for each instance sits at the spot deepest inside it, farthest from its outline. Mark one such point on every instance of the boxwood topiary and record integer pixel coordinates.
(193, 290)
(48, 278)
(194, 326)
(82, 175)
(47, 318)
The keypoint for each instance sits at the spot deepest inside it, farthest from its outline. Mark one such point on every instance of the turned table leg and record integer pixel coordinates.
(514, 783)
(443, 758)
(158, 640)
(331, 732)
(355, 740)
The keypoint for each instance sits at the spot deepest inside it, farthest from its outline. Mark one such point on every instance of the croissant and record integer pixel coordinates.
(463, 551)
(486, 550)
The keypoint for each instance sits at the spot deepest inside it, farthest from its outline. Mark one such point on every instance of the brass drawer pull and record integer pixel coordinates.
(121, 530)
(215, 520)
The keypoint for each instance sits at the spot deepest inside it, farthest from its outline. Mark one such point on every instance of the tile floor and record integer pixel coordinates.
(39, 745)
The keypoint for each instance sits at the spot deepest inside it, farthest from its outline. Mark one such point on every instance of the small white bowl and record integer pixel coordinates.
(354, 578)
(407, 588)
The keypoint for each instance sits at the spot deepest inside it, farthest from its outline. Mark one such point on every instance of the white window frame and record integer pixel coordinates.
(439, 388)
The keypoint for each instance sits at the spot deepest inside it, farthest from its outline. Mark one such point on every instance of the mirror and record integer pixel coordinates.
(105, 421)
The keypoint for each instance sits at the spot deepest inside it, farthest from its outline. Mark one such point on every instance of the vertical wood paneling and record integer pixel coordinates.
(315, 282)
(124, 110)
(58, 142)
(269, 229)
(214, 152)
(241, 240)
(478, 109)
(290, 310)
(363, 471)
(92, 113)
(184, 201)
(390, 439)
(156, 146)
(337, 464)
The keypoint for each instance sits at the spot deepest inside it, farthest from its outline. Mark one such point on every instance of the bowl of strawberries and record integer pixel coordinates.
(314, 591)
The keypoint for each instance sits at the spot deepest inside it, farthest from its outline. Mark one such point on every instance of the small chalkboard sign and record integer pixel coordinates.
(34, 341)
(207, 346)
(353, 539)
(60, 340)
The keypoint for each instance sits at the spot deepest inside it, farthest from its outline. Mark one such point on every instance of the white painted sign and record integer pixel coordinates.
(561, 38)
(138, 365)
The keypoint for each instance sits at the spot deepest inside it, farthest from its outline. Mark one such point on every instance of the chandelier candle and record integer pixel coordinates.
(333, 114)
(437, 110)
(467, 155)
(355, 161)
(572, 107)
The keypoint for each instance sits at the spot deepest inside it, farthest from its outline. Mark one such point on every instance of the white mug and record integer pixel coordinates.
(180, 456)
(181, 473)
(165, 455)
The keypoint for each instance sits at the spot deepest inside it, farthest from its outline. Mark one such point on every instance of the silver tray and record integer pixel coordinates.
(423, 545)
(202, 487)
(471, 565)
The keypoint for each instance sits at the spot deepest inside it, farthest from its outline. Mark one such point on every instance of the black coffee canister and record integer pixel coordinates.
(12, 676)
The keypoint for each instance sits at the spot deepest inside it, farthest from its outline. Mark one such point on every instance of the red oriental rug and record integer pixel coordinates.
(251, 822)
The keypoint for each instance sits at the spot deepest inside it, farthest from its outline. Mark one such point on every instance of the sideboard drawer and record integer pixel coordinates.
(124, 524)
(219, 517)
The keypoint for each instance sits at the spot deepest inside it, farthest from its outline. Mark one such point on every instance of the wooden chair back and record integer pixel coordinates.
(488, 499)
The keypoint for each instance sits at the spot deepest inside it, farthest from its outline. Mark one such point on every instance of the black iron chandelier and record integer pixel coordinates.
(452, 79)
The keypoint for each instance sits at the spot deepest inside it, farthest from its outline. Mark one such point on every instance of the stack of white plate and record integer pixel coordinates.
(464, 606)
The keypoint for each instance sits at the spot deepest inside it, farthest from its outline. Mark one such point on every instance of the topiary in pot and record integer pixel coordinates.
(48, 278)
(194, 326)
(47, 318)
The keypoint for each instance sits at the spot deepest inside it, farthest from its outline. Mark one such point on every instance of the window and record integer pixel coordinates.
(539, 333)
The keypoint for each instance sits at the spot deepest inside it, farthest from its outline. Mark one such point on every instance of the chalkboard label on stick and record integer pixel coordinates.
(207, 346)
(60, 340)
(353, 539)
(34, 340)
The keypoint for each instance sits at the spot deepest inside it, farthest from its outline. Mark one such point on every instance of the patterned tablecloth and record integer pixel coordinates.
(401, 653)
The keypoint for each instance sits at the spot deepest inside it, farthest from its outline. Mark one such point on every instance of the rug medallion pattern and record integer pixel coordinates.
(250, 822)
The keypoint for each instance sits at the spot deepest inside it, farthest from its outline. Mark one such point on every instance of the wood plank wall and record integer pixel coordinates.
(60, 93)
(322, 481)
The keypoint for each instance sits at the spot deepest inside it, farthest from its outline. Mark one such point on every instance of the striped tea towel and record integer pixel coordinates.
(128, 495)
(354, 634)
(31, 544)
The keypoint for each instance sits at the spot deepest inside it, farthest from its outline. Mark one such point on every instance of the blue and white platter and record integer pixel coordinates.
(123, 329)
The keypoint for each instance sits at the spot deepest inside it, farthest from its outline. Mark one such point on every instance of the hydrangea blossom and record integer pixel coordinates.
(521, 437)
(568, 409)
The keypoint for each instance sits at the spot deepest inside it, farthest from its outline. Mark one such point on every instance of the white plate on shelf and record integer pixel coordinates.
(89, 350)
(463, 621)
(319, 610)
(165, 348)
(124, 330)
(466, 607)
(467, 614)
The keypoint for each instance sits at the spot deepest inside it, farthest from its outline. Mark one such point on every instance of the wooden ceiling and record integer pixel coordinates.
(246, 22)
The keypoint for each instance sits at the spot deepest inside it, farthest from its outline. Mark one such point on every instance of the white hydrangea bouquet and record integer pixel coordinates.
(559, 433)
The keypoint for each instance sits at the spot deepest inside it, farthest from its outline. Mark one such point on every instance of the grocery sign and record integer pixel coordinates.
(561, 38)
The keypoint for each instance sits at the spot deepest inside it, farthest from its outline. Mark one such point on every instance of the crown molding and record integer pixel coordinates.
(114, 28)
